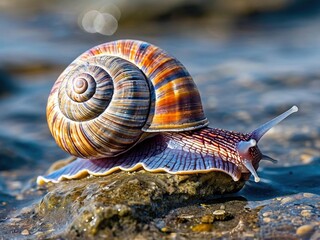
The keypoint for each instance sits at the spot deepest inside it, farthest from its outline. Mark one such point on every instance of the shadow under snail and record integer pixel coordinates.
(127, 104)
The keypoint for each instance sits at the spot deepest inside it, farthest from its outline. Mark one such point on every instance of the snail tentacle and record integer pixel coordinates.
(268, 158)
(260, 131)
(248, 164)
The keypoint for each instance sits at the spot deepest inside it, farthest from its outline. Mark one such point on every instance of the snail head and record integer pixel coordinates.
(245, 149)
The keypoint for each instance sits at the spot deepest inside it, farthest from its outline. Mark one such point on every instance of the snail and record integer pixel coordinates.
(127, 104)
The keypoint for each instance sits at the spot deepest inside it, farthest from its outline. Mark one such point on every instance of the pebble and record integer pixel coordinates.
(202, 227)
(306, 158)
(184, 218)
(222, 207)
(15, 219)
(267, 219)
(297, 220)
(207, 219)
(305, 213)
(286, 200)
(304, 230)
(166, 230)
(221, 215)
(309, 195)
(249, 235)
(267, 214)
(219, 212)
(19, 197)
(25, 232)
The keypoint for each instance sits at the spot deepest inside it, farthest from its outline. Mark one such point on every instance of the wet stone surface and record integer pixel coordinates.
(295, 216)
(142, 205)
(123, 205)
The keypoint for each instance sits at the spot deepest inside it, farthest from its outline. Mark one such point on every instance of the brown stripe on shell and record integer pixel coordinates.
(97, 126)
(155, 93)
(168, 77)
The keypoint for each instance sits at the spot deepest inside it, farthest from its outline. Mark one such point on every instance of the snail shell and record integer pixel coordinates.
(117, 94)
(105, 101)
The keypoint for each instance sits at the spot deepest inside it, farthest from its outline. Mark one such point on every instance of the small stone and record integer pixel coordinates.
(39, 234)
(286, 200)
(166, 230)
(221, 215)
(186, 216)
(172, 236)
(306, 213)
(25, 232)
(219, 212)
(306, 158)
(267, 214)
(249, 235)
(202, 227)
(204, 205)
(305, 230)
(207, 219)
(309, 195)
(297, 221)
(15, 219)
(183, 218)
(19, 197)
(222, 207)
(267, 219)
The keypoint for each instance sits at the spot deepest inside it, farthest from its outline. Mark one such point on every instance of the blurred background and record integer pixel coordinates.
(251, 60)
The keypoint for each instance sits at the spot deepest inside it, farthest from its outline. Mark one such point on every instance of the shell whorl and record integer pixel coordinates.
(101, 102)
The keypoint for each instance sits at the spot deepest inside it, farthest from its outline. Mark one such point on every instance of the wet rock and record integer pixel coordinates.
(305, 230)
(142, 205)
(292, 217)
(123, 204)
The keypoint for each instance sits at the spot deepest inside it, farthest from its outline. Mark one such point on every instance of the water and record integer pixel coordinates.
(246, 75)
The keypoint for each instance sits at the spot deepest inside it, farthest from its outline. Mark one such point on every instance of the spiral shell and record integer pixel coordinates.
(106, 100)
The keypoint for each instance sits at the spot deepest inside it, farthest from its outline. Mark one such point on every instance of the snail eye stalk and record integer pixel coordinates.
(260, 131)
(244, 146)
(243, 150)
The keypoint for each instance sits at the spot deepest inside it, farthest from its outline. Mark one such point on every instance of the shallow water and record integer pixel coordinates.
(245, 75)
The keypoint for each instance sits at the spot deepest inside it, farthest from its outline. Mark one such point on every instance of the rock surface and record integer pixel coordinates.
(120, 205)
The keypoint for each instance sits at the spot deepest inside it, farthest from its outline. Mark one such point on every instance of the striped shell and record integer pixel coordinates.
(112, 95)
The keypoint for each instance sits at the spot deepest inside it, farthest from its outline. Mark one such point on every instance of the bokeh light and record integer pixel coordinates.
(103, 21)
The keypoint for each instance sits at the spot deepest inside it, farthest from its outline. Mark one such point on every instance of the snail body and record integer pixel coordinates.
(128, 104)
